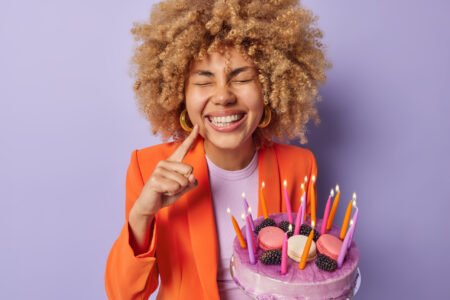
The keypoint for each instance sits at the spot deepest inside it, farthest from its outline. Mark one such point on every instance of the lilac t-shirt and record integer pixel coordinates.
(226, 192)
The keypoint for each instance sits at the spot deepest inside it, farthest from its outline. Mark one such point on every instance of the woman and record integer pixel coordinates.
(222, 79)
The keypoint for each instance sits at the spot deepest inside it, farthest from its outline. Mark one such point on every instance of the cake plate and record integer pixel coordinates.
(352, 293)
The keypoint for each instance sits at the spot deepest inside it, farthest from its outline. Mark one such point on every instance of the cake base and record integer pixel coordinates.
(265, 281)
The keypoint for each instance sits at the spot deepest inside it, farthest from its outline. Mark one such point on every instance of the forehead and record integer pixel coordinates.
(216, 62)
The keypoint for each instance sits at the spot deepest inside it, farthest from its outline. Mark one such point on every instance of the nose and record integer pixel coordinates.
(223, 95)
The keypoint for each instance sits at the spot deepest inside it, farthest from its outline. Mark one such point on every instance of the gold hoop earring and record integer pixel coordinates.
(267, 117)
(183, 122)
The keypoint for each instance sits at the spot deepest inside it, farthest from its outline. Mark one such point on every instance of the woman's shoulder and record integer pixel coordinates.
(294, 159)
(292, 151)
(163, 150)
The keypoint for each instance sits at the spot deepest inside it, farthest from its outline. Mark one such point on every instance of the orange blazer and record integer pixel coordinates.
(183, 249)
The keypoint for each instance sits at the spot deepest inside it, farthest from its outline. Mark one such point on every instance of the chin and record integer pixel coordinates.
(229, 142)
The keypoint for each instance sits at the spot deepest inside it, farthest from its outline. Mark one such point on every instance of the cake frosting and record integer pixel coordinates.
(266, 282)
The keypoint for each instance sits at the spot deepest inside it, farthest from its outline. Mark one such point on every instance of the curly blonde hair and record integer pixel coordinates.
(279, 36)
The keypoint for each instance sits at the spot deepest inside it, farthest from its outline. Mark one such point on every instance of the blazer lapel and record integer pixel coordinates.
(268, 171)
(201, 220)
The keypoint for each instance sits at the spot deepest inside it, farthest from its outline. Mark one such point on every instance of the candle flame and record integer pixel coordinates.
(337, 188)
(351, 223)
(263, 184)
(306, 178)
(284, 183)
(243, 195)
(290, 228)
(313, 178)
(354, 203)
(228, 210)
(249, 210)
(243, 217)
(313, 224)
(354, 196)
(332, 193)
(303, 187)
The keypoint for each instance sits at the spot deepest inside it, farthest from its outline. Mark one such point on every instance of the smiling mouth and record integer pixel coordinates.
(224, 121)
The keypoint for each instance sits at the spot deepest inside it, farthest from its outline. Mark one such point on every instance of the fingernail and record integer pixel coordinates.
(196, 182)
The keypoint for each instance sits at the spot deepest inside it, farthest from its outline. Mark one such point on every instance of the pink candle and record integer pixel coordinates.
(251, 235)
(354, 219)
(323, 229)
(348, 238)
(252, 225)
(344, 246)
(284, 253)
(288, 203)
(245, 202)
(299, 218)
(248, 212)
(251, 251)
(303, 208)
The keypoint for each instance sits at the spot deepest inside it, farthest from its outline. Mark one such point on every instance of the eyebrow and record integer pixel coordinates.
(231, 74)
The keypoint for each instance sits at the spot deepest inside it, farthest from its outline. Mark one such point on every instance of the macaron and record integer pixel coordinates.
(329, 245)
(296, 244)
(270, 238)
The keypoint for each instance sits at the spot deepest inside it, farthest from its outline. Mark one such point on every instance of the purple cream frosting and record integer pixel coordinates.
(266, 282)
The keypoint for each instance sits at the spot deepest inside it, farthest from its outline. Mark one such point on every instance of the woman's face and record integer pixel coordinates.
(226, 104)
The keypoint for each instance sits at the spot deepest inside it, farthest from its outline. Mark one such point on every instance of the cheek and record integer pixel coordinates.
(254, 101)
(195, 104)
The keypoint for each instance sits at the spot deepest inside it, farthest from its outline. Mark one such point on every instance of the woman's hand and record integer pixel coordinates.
(170, 180)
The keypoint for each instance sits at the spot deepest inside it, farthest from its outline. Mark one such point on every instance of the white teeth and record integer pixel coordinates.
(223, 121)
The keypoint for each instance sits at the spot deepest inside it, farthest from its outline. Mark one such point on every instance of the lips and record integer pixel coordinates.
(225, 121)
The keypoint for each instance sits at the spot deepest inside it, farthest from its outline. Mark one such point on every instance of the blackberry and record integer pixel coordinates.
(325, 263)
(306, 229)
(271, 257)
(265, 223)
(284, 225)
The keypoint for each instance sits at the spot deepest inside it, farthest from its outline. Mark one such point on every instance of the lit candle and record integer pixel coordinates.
(284, 252)
(263, 202)
(304, 211)
(305, 253)
(238, 230)
(251, 234)
(313, 198)
(248, 211)
(323, 228)
(252, 225)
(251, 250)
(344, 246)
(298, 219)
(348, 212)
(354, 220)
(303, 206)
(333, 208)
(288, 204)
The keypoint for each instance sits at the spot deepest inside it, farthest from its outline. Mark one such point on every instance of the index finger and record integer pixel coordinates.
(183, 149)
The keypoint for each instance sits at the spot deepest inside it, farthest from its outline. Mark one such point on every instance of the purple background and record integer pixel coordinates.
(69, 123)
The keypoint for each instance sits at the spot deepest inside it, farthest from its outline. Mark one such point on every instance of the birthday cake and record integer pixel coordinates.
(321, 278)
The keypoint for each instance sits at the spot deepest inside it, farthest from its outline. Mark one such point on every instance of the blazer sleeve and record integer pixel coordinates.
(129, 276)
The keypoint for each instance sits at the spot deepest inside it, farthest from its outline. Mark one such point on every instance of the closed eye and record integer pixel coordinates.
(242, 81)
(235, 81)
(203, 84)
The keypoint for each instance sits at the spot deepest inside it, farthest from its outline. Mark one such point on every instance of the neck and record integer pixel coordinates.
(230, 159)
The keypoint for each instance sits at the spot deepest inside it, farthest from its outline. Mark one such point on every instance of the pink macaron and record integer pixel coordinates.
(270, 238)
(329, 245)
